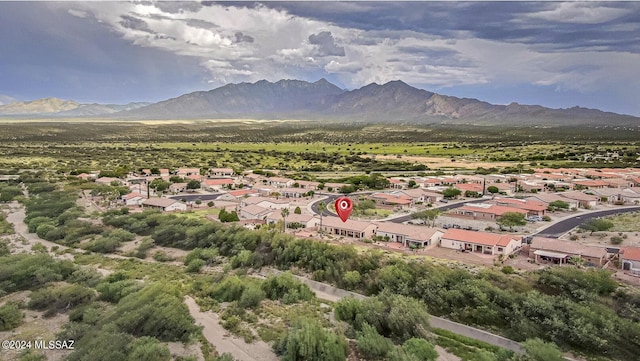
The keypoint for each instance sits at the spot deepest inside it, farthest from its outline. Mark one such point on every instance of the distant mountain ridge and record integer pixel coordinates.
(392, 102)
(59, 108)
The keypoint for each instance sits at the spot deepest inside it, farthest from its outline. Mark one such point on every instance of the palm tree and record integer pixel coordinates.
(284, 213)
(322, 206)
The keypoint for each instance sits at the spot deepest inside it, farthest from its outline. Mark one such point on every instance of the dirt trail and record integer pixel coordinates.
(217, 336)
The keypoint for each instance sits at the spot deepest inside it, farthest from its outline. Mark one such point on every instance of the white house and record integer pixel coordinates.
(408, 234)
(481, 242)
(630, 259)
(350, 228)
(133, 199)
(165, 204)
(254, 211)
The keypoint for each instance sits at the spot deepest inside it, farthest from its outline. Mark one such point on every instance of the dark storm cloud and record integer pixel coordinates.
(326, 44)
(499, 21)
(202, 24)
(134, 23)
(437, 56)
(243, 38)
(175, 7)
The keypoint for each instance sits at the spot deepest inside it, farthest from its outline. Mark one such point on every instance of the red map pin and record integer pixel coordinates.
(344, 207)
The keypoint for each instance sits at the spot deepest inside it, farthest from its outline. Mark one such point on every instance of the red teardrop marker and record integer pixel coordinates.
(344, 207)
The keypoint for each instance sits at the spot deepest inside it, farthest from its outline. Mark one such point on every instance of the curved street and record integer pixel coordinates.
(563, 226)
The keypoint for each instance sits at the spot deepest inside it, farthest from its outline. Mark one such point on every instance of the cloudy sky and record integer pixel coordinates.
(557, 54)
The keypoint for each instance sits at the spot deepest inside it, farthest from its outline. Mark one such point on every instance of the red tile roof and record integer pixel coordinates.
(631, 253)
(484, 238)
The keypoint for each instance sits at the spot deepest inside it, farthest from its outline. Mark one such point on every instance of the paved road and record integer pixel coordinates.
(332, 198)
(558, 229)
(327, 291)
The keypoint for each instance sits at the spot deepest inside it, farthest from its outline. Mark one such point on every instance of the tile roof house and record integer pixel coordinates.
(630, 260)
(485, 211)
(221, 172)
(183, 172)
(165, 204)
(264, 202)
(216, 184)
(133, 199)
(481, 242)
(254, 211)
(108, 180)
(350, 228)
(533, 208)
(178, 187)
(306, 220)
(408, 235)
(584, 200)
(552, 197)
(392, 199)
(558, 251)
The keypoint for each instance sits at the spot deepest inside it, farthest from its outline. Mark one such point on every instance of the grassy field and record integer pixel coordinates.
(301, 146)
(627, 222)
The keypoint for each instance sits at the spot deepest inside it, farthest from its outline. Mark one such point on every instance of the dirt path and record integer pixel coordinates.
(218, 336)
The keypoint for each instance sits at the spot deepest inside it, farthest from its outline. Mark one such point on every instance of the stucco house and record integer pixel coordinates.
(630, 260)
(350, 228)
(164, 204)
(480, 242)
(408, 235)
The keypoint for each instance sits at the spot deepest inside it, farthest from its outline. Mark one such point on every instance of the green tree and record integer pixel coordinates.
(511, 219)
(493, 190)
(421, 348)
(597, 225)
(351, 279)
(428, 216)
(10, 316)
(148, 349)
(372, 345)
(538, 350)
(309, 341)
(451, 192)
(297, 210)
(558, 205)
(284, 213)
(193, 185)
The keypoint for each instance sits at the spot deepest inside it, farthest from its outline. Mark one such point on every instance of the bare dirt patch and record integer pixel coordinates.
(225, 342)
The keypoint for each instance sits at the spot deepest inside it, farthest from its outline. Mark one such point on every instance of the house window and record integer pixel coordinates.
(500, 249)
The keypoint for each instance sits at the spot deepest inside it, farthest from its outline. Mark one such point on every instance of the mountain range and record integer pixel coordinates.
(393, 102)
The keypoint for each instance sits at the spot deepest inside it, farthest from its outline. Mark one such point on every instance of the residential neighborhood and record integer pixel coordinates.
(469, 225)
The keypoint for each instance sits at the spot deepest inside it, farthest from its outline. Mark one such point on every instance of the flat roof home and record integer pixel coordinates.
(480, 242)
(558, 251)
(408, 235)
(350, 228)
(164, 204)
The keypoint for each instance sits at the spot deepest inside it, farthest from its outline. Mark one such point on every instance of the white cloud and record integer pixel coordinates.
(579, 13)
(288, 46)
